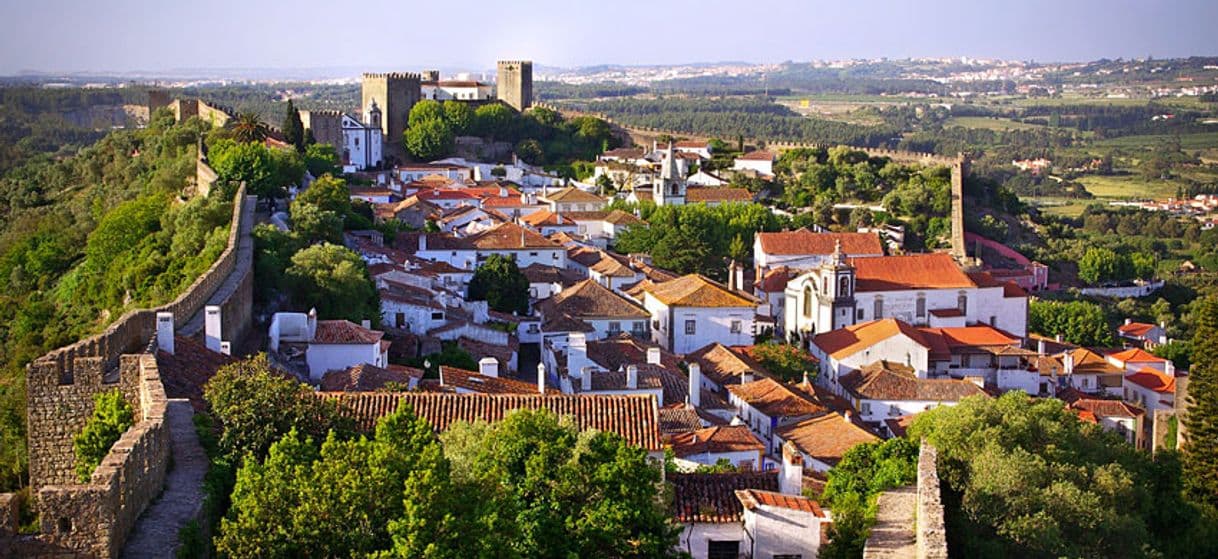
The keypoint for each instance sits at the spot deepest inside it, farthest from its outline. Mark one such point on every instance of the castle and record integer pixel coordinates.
(514, 84)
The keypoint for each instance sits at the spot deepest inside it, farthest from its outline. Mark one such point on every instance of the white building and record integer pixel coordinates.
(767, 405)
(823, 440)
(885, 390)
(526, 246)
(782, 526)
(759, 161)
(571, 199)
(327, 345)
(670, 187)
(706, 447)
(692, 311)
(594, 309)
(804, 249)
(362, 141)
(457, 90)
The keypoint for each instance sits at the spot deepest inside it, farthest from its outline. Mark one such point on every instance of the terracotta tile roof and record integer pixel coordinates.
(946, 313)
(589, 299)
(679, 418)
(188, 368)
(844, 342)
(725, 365)
(509, 236)
(774, 280)
(1087, 416)
(889, 381)
(972, 336)
(1136, 355)
(584, 255)
(758, 155)
(617, 352)
(540, 273)
(803, 241)
(630, 153)
(712, 497)
(562, 322)
(571, 194)
(899, 425)
(717, 439)
(344, 332)
(504, 202)
(826, 438)
(1153, 379)
(1102, 407)
(1011, 290)
(634, 416)
(619, 217)
(691, 144)
(1086, 362)
(547, 217)
(444, 194)
(603, 381)
(776, 399)
(367, 378)
(461, 379)
(912, 271)
(983, 279)
(696, 290)
(725, 194)
(752, 498)
(1136, 329)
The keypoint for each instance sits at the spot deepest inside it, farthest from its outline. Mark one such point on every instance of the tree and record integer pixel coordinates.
(495, 120)
(787, 362)
(500, 283)
(1201, 420)
(430, 139)
(333, 280)
(1098, 264)
(863, 473)
(1078, 322)
(327, 193)
(112, 416)
(293, 127)
(426, 110)
(321, 159)
(459, 116)
(248, 128)
(530, 151)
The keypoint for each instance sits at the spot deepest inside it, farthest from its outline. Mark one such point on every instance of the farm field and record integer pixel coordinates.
(988, 123)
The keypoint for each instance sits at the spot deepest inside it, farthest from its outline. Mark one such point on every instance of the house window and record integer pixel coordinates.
(615, 327)
(993, 321)
(788, 556)
(437, 316)
(736, 327)
(843, 289)
(399, 319)
(655, 324)
(859, 314)
(716, 549)
(532, 254)
(865, 408)
(808, 302)
(921, 305)
(639, 328)
(878, 311)
(691, 327)
(962, 303)
(824, 285)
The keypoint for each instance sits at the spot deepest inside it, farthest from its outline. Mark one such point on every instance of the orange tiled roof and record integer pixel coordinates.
(752, 498)
(571, 194)
(725, 365)
(774, 280)
(1153, 379)
(826, 438)
(477, 382)
(912, 271)
(725, 438)
(617, 352)
(1105, 408)
(634, 416)
(1136, 355)
(776, 399)
(972, 336)
(844, 342)
(509, 236)
(889, 381)
(366, 378)
(726, 194)
(803, 241)
(344, 332)
(696, 290)
(589, 299)
(758, 155)
(188, 368)
(1136, 329)
(699, 498)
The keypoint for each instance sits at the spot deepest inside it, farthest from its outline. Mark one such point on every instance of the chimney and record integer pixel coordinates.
(488, 367)
(226, 348)
(585, 379)
(731, 276)
(1068, 363)
(1058, 338)
(653, 356)
(577, 351)
(311, 323)
(739, 277)
(1128, 321)
(164, 332)
(503, 192)
(632, 377)
(422, 242)
(541, 378)
(977, 380)
(746, 377)
(791, 478)
(211, 327)
(367, 324)
(846, 416)
(1169, 368)
(1040, 347)
(695, 385)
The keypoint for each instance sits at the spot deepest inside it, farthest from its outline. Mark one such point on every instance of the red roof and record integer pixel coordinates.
(1153, 379)
(913, 271)
(726, 438)
(344, 332)
(774, 399)
(477, 382)
(712, 497)
(751, 498)
(775, 280)
(972, 336)
(758, 155)
(803, 241)
(1136, 329)
(1136, 355)
(852, 339)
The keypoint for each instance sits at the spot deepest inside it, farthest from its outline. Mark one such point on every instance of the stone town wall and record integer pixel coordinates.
(931, 531)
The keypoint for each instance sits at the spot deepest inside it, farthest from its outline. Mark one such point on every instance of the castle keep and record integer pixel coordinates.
(395, 94)
(514, 84)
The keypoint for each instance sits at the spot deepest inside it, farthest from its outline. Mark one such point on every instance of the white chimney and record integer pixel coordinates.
(577, 351)
(1068, 363)
(632, 377)
(226, 348)
(1040, 346)
(585, 379)
(791, 478)
(311, 323)
(164, 332)
(746, 377)
(422, 242)
(740, 277)
(541, 378)
(1128, 321)
(653, 356)
(1058, 338)
(1169, 368)
(488, 367)
(367, 324)
(211, 327)
(695, 385)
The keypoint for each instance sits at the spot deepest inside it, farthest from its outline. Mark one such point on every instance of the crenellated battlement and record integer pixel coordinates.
(396, 76)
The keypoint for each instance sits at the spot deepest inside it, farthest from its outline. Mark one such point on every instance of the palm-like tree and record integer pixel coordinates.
(247, 127)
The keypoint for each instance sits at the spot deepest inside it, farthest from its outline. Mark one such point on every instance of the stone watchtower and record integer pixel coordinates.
(514, 83)
(395, 94)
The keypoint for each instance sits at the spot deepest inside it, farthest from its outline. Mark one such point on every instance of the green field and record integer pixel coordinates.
(988, 123)
(1064, 207)
(1128, 187)
(1200, 140)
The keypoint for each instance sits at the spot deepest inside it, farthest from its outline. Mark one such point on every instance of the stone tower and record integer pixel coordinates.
(514, 84)
(836, 304)
(395, 94)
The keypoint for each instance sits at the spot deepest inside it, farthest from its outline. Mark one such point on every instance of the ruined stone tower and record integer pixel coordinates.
(395, 94)
(514, 84)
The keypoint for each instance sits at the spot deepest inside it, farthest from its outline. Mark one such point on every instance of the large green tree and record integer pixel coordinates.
(333, 280)
(293, 127)
(430, 139)
(500, 283)
(854, 483)
(460, 116)
(1078, 322)
(1201, 419)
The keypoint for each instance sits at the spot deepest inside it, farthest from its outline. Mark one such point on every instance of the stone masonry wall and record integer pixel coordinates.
(931, 531)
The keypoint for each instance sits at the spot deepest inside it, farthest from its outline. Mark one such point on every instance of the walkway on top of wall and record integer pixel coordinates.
(245, 262)
(156, 532)
(892, 536)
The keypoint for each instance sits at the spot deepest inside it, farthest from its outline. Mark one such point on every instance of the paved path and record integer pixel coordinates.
(156, 531)
(245, 264)
(893, 533)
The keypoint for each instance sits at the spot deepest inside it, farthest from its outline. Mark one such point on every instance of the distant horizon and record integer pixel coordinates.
(148, 36)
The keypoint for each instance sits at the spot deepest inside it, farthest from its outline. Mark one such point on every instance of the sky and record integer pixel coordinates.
(161, 35)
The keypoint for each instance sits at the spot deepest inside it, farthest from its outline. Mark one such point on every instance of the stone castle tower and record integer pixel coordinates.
(514, 84)
(395, 94)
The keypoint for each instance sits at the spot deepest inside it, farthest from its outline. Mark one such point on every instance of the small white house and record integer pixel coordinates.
(328, 345)
(691, 311)
(760, 161)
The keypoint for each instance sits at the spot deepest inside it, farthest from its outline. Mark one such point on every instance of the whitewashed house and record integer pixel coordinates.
(692, 311)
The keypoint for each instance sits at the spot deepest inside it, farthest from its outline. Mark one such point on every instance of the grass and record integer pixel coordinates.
(1199, 140)
(1128, 186)
(1063, 207)
(987, 123)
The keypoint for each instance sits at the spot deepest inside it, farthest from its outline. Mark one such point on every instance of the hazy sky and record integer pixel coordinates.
(122, 35)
